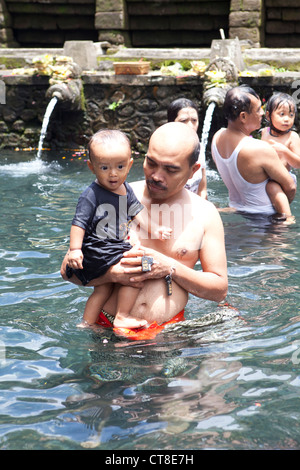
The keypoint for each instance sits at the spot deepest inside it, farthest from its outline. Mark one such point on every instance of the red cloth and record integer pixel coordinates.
(139, 333)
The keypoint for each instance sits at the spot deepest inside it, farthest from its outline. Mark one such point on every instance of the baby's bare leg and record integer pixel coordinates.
(126, 299)
(94, 304)
(278, 198)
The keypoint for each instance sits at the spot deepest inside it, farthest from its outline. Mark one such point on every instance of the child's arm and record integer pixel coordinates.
(75, 253)
(294, 160)
(153, 229)
(291, 153)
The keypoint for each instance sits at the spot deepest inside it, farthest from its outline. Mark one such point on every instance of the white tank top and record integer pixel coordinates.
(243, 196)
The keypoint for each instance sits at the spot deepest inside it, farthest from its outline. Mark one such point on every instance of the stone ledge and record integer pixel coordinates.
(151, 79)
(103, 78)
(265, 55)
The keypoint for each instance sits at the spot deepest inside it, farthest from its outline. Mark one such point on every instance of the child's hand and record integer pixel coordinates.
(163, 233)
(280, 148)
(75, 259)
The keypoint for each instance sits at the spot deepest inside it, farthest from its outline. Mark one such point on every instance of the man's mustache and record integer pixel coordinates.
(156, 184)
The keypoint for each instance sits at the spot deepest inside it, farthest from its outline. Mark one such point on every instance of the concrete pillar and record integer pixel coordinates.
(111, 21)
(246, 20)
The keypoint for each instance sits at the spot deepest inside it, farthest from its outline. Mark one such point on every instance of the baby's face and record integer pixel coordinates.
(111, 164)
(283, 117)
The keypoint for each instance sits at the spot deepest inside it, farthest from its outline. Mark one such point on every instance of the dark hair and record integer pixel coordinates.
(237, 100)
(106, 136)
(279, 98)
(193, 158)
(177, 105)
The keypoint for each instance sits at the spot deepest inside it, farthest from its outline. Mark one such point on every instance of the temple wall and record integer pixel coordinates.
(149, 23)
(135, 104)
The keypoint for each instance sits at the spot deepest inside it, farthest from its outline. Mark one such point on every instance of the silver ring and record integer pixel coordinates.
(147, 262)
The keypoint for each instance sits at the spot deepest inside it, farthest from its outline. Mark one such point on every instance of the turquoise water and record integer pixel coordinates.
(231, 384)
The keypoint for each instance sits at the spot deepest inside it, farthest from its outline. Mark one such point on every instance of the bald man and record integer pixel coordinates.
(197, 234)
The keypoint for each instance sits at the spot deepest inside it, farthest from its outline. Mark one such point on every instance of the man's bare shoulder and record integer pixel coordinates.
(202, 206)
(259, 147)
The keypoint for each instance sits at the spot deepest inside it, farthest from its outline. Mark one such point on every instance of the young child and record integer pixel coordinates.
(99, 232)
(281, 113)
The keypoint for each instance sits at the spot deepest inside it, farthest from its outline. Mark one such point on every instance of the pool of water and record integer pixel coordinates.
(232, 383)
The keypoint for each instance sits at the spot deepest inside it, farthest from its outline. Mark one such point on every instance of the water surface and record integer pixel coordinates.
(231, 384)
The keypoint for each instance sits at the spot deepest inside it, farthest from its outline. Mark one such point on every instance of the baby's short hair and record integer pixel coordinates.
(104, 136)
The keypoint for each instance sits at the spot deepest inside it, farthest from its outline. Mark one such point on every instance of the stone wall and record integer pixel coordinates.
(6, 31)
(149, 23)
(135, 104)
(172, 23)
(49, 23)
(246, 21)
(191, 23)
(282, 23)
(111, 21)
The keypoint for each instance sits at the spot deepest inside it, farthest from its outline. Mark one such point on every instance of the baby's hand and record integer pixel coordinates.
(163, 233)
(280, 148)
(75, 259)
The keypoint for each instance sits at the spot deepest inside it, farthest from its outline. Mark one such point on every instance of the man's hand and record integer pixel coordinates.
(132, 264)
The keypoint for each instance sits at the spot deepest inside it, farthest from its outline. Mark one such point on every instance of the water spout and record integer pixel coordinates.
(215, 95)
(70, 98)
(68, 94)
(49, 110)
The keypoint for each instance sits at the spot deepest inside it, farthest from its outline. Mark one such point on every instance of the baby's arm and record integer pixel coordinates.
(294, 158)
(75, 253)
(290, 153)
(151, 227)
(163, 233)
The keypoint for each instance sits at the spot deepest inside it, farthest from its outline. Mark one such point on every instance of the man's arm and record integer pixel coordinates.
(276, 171)
(260, 161)
(115, 274)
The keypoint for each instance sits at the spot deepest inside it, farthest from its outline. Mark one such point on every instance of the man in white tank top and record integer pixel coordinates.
(244, 163)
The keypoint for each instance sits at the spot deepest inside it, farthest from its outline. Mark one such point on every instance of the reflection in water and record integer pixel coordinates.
(224, 379)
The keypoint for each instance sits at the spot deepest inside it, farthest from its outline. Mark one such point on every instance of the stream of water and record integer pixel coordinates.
(46, 119)
(206, 128)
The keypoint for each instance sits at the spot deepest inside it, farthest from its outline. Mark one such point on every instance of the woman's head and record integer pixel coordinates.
(185, 111)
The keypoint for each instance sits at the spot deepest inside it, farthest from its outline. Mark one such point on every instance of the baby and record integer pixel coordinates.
(99, 231)
(280, 113)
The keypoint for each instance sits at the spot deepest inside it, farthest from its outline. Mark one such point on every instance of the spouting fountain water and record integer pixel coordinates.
(206, 128)
(65, 88)
(46, 119)
(215, 95)
(69, 97)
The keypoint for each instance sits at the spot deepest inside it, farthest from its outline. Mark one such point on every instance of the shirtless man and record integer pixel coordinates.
(197, 234)
(244, 163)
